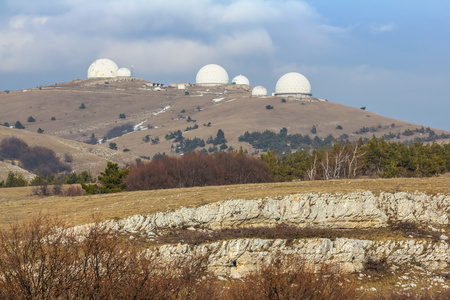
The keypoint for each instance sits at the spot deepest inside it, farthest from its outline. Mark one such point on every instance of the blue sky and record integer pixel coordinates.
(390, 56)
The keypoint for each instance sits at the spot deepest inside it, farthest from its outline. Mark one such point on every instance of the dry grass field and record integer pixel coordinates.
(19, 204)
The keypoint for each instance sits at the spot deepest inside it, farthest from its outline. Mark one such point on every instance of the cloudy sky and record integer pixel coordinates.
(391, 56)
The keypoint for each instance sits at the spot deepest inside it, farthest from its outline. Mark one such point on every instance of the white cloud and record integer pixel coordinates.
(383, 28)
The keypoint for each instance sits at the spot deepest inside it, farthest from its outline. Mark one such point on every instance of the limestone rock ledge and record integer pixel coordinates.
(340, 211)
(345, 211)
(236, 258)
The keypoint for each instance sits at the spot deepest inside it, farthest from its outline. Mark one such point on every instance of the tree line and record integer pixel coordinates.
(198, 169)
(375, 158)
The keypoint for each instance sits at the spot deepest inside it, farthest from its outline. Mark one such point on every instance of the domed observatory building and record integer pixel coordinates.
(212, 75)
(123, 73)
(259, 91)
(240, 79)
(293, 85)
(102, 68)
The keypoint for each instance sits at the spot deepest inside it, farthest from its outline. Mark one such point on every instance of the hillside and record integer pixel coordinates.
(161, 111)
(85, 157)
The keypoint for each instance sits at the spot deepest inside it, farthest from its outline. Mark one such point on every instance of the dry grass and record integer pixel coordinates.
(19, 204)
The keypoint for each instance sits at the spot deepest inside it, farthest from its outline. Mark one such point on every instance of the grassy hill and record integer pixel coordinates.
(158, 112)
(85, 157)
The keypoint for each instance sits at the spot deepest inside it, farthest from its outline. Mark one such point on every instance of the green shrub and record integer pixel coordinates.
(15, 179)
(19, 125)
(112, 180)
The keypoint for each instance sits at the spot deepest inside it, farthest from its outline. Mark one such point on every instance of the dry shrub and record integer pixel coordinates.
(44, 260)
(197, 169)
(41, 160)
(289, 278)
(378, 265)
(12, 148)
(73, 191)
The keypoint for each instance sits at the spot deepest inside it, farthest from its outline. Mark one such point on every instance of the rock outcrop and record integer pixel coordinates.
(237, 257)
(345, 211)
(364, 210)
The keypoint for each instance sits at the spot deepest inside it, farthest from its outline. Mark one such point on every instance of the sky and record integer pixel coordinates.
(393, 57)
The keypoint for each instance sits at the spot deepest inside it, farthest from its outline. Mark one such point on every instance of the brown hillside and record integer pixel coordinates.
(85, 157)
(228, 108)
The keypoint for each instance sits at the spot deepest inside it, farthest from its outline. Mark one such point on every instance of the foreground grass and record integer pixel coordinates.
(19, 204)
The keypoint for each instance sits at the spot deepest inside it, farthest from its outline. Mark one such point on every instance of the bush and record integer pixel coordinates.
(68, 158)
(269, 106)
(40, 130)
(12, 148)
(73, 191)
(43, 189)
(313, 129)
(41, 160)
(19, 125)
(53, 119)
(113, 146)
(92, 140)
(112, 180)
(39, 262)
(292, 278)
(15, 179)
(119, 131)
(122, 116)
(196, 169)
(339, 127)
(377, 265)
(82, 106)
(31, 119)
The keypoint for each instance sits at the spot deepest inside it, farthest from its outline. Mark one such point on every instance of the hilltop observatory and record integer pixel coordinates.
(103, 68)
(123, 73)
(212, 75)
(293, 85)
(240, 79)
(259, 91)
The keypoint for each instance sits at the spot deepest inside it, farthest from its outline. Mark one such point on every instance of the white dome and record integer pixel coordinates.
(293, 83)
(102, 68)
(240, 79)
(211, 75)
(259, 91)
(123, 72)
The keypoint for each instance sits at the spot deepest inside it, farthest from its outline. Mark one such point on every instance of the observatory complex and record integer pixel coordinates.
(293, 84)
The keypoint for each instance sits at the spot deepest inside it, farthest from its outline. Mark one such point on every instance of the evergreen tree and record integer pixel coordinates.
(112, 181)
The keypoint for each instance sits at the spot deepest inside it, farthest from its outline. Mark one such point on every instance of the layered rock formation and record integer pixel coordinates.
(364, 210)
